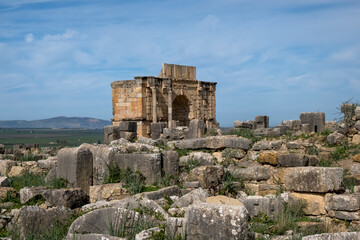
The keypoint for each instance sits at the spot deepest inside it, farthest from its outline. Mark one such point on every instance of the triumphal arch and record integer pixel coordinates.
(174, 97)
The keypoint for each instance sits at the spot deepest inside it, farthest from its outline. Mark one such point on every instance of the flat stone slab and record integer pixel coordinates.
(215, 142)
(334, 236)
(208, 221)
(313, 179)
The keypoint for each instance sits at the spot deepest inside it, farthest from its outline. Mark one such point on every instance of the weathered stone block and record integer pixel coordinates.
(98, 221)
(5, 166)
(208, 176)
(216, 222)
(357, 125)
(350, 216)
(4, 182)
(356, 139)
(268, 157)
(28, 193)
(170, 163)
(107, 192)
(197, 143)
(175, 133)
(313, 179)
(149, 164)
(335, 138)
(69, 197)
(196, 196)
(357, 113)
(296, 160)
(251, 173)
(314, 203)
(293, 125)
(247, 124)
(261, 122)
(202, 158)
(261, 145)
(111, 133)
(196, 129)
(220, 142)
(220, 199)
(316, 120)
(157, 129)
(17, 171)
(257, 204)
(231, 153)
(103, 156)
(175, 227)
(76, 165)
(343, 202)
(293, 145)
(127, 126)
(33, 219)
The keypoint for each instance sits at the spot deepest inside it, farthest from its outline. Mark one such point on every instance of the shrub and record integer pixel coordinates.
(134, 181)
(229, 184)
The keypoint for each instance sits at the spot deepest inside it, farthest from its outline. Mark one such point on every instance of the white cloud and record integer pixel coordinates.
(69, 34)
(29, 38)
(346, 55)
(210, 22)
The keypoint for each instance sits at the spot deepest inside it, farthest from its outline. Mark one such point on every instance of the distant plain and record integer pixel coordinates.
(50, 137)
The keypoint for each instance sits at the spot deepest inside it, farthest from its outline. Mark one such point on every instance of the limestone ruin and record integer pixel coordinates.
(174, 97)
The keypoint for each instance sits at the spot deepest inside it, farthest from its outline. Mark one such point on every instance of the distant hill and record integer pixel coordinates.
(57, 122)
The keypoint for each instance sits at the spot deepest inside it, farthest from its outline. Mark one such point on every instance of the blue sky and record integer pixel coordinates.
(276, 58)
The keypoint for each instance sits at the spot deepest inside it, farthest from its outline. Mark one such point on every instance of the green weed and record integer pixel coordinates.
(182, 152)
(134, 181)
(280, 223)
(229, 184)
(326, 132)
(341, 152)
(325, 163)
(58, 183)
(27, 157)
(27, 180)
(244, 132)
(348, 182)
(191, 164)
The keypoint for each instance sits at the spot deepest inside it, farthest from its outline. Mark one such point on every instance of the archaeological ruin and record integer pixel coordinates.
(174, 98)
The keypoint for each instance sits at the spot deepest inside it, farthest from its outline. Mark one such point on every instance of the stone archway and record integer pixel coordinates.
(181, 110)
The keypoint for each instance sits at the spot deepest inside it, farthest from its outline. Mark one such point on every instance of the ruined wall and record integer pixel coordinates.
(174, 95)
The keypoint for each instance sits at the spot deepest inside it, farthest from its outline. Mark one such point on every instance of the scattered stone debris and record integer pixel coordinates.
(188, 181)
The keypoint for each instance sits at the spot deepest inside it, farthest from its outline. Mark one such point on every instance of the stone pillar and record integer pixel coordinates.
(154, 108)
(170, 107)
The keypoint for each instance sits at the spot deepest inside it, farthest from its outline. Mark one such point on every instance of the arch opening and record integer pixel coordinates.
(181, 110)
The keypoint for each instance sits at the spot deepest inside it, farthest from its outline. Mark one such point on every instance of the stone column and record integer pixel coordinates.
(154, 108)
(170, 106)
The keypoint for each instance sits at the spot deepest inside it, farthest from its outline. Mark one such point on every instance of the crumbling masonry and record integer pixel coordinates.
(174, 97)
